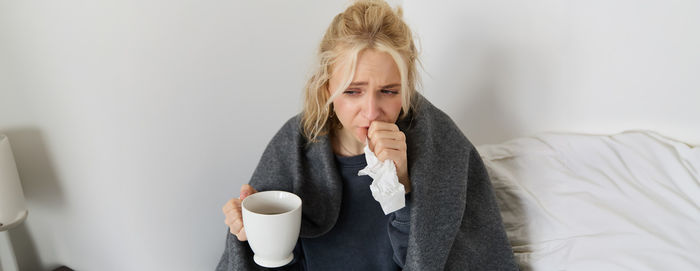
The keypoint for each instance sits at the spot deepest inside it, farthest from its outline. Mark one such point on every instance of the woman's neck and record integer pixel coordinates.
(345, 144)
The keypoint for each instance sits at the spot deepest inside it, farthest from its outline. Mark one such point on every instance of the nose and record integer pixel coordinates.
(371, 109)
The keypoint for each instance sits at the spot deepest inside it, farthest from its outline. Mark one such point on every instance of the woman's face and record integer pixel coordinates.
(373, 95)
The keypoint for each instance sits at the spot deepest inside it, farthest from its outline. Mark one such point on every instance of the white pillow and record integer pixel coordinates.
(629, 201)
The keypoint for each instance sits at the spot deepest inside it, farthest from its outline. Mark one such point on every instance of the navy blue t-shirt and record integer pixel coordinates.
(363, 238)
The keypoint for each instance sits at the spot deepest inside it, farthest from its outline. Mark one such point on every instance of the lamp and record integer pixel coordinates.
(13, 210)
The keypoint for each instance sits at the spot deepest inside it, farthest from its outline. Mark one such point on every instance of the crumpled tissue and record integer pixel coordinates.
(385, 187)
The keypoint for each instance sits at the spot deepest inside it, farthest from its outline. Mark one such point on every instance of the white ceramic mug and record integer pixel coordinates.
(272, 220)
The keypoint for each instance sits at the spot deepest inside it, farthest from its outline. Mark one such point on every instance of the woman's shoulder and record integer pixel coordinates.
(429, 120)
(425, 109)
(293, 124)
(290, 131)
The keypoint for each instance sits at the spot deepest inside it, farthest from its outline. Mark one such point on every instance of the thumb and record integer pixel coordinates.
(247, 190)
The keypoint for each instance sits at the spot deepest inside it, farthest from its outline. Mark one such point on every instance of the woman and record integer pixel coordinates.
(364, 92)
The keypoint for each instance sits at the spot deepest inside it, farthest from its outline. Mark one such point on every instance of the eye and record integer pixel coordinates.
(390, 91)
(351, 91)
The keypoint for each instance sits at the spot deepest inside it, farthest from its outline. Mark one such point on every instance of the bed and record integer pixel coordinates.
(627, 201)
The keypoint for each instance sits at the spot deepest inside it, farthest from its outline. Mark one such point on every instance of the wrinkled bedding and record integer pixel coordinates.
(629, 201)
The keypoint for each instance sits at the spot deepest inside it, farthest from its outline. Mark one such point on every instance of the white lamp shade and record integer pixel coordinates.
(12, 205)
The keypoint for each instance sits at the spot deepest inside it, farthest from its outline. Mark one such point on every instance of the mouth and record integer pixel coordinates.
(362, 132)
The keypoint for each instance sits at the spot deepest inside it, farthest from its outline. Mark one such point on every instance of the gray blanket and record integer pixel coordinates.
(455, 222)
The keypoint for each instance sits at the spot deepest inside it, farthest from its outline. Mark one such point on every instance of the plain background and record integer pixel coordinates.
(133, 122)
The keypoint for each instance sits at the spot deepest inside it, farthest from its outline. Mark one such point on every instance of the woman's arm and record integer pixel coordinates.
(481, 240)
(398, 228)
(237, 255)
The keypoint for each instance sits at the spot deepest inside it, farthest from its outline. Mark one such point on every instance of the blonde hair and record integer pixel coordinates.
(367, 24)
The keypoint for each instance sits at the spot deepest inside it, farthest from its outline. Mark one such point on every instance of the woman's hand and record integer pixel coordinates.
(388, 142)
(234, 216)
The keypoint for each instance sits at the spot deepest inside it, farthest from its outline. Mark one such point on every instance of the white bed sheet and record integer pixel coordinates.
(629, 201)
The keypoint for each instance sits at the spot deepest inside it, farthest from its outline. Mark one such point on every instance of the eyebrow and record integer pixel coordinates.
(355, 84)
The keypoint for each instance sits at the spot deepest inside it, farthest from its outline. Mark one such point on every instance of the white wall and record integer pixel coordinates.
(132, 122)
(503, 69)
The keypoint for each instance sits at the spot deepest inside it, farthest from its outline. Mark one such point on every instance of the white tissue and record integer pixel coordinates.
(385, 187)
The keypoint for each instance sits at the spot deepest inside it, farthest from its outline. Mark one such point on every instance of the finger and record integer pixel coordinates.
(381, 145)
(235, 230)
(234, 225)
(232, 215)
(241, 235)
(385, 139)
(381, 126)
(227, 206)
(394, 155)
(234, 212)
(390, 135)
(237, 225)
(231, 204)
(247, 190)
(385, 135)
